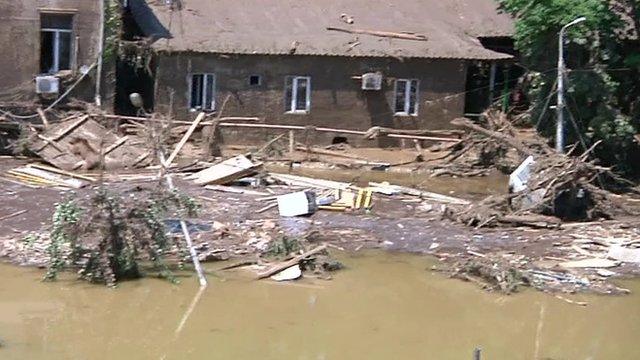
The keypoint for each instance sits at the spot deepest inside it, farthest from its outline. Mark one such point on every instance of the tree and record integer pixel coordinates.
(603, 62)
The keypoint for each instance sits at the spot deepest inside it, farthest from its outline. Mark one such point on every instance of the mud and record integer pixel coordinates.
(393, 224)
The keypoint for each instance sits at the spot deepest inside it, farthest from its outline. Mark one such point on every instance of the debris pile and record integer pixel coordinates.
(479, 151)
(547, 188)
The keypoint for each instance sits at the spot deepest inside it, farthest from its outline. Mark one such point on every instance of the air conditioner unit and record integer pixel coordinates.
(372, 81)
(47, 85)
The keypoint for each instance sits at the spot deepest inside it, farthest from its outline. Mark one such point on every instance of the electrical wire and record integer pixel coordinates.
(48, 108)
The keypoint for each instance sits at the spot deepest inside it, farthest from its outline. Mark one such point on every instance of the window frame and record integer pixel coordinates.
(292, 106)
(55, 67)
(203, 99)
(407, 97)
(259, 77)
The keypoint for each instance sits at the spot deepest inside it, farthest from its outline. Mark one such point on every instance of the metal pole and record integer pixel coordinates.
(560, 102)
(477, 354)
(183, 224)
(98, 97)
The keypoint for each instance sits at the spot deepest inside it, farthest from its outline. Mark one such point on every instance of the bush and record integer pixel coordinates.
(107, 239)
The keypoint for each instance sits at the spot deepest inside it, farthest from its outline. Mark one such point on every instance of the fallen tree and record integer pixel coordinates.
(556, 186)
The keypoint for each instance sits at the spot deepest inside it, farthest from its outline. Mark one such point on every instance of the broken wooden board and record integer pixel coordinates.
(303, 181)
(54, 146)
(231, 169)
(590, 263)
(291, 273)
(43, 177)
(389, 188)
(235, 190)
(623, 254)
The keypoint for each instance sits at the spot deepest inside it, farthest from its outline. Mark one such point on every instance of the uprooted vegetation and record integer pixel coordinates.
(111, 236)
(286, 247)
(555, 186)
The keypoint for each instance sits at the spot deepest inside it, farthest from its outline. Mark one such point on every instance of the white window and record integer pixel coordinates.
(55, 42)
(406, 97)
(203, 87)
(298, 94)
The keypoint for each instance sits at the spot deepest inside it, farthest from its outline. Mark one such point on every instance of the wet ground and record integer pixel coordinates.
(395, 223)
(383, 306)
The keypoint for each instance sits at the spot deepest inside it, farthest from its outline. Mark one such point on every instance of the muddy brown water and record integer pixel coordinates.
(467, 187)
(384, 306)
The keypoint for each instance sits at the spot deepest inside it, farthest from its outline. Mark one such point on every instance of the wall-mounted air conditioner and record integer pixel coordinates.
(372, 81)
(47, 85)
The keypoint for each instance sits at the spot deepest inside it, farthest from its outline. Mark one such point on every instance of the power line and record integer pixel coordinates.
(24, 117)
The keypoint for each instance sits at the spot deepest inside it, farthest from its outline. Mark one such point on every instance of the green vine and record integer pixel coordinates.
(112, 29)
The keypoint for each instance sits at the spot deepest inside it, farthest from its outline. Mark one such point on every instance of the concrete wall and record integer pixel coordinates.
(336, 98)
(20, 40)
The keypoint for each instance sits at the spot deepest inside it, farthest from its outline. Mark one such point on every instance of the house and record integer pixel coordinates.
(318, 63)
(46, 37)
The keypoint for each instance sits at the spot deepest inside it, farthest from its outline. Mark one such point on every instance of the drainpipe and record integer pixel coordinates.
(492, 82)
(98, 98)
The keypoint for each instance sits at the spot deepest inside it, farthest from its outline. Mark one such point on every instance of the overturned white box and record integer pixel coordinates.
(297, 204)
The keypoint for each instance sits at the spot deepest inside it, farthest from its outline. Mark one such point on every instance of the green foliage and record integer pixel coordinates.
(112, 29)
(603, 91)
(65, 221)
(283, 246)
(109, 237)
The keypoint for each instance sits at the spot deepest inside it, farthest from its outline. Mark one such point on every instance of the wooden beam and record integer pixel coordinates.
(184, 139)
(287, 264)
(333, 130)
(116, 144)
(70, 128)
(43, 117)
(386, 34)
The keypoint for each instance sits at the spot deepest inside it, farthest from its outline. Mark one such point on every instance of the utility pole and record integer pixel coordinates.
(98, 96)
(560, 103)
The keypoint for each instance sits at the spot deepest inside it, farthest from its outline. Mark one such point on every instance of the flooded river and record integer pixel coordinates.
(384, 306)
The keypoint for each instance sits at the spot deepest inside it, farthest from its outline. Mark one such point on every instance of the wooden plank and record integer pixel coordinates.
(184, 139)
(287, 264)
(235, 190)
(115, 145)
(43, 117)
(61, 172)
(333, 130)
(231, 169)
(70, 128)
(13, 214)
(385, 34)
(303, 181)
(590, 263)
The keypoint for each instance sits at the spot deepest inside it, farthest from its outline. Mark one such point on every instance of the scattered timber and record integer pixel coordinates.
(235, 190)
(385, 34)
(289, 263)
(20, 212)
(186, 137)
(466, 123)
(333, 130)
(231, 169)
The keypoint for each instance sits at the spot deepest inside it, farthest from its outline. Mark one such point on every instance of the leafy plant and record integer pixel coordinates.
(603, 91)
(109, 238)
(283, 246)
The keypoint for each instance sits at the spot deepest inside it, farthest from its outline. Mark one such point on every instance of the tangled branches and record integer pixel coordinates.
(107, 239)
